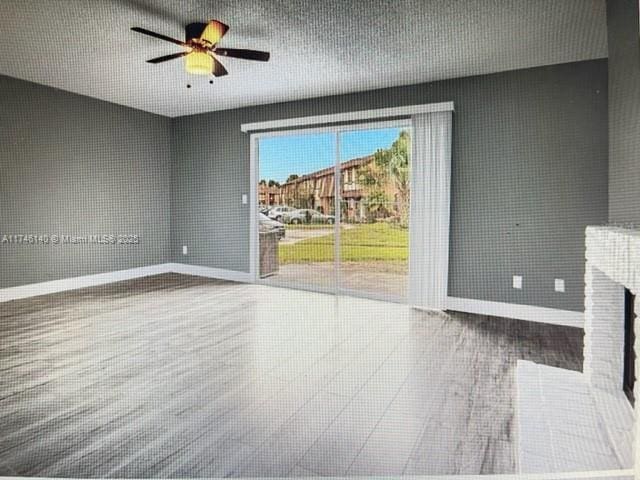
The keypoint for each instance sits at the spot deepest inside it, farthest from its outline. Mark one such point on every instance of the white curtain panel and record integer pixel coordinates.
(429, 210)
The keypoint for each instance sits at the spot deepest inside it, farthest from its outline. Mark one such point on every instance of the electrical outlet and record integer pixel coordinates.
(245, 200)
(517, 281)
(559, 285)
(184, 249)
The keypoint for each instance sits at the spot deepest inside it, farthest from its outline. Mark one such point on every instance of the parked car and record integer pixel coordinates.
(307, 215)
(269, 225)
(277, 213)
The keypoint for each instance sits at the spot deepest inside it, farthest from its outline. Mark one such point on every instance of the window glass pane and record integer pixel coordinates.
(374, 215)
(296, 198)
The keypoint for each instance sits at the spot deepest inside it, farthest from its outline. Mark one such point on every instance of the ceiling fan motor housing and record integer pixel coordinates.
(194, 30)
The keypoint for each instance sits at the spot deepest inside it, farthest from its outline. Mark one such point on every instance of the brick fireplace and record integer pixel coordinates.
(612, 282)
(572, 421)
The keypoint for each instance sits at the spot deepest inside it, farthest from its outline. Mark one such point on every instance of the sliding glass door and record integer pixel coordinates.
(296, 210)
(333, 209)
(374, 213)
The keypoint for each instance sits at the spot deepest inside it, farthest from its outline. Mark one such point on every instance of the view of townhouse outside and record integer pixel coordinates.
(297, 198)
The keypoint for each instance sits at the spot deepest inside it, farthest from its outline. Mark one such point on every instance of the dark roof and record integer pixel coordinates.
(354, 162)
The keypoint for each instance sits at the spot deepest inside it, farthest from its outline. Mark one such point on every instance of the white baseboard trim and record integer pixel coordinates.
(54, 286)
(517, 311)
(62, 285)
(210, 272)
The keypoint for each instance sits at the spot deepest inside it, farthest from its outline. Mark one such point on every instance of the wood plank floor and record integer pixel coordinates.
(178, 376)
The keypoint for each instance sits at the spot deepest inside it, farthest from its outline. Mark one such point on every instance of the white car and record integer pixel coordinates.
(269, 225)
(278, 213)
(307, 215)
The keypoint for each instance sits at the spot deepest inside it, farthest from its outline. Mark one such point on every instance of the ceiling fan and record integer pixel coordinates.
(200, 48)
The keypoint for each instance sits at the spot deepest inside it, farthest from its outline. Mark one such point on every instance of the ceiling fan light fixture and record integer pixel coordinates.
(199, 63)
(213, 32)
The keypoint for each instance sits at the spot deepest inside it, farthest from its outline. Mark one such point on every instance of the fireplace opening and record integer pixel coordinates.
(629, 341)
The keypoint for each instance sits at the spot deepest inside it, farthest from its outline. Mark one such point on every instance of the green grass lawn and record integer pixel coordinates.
(367, 242)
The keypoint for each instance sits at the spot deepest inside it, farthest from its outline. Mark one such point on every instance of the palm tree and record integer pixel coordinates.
(394, 162)
(390, 165)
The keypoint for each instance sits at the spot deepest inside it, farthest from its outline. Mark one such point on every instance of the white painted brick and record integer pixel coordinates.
(558, 431)
(613, 262)
(531, 462)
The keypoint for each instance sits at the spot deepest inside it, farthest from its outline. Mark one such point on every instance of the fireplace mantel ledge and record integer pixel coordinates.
(616, 252)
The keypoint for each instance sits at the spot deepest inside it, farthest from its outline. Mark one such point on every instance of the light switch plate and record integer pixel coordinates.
(245, 200)
(184, 249)
(559, 285)
(517, 281)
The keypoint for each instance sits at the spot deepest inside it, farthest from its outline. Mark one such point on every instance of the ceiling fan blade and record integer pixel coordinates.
(218, 68)
(243, 53)
(214, 31)
(167, 57)
(159, 36)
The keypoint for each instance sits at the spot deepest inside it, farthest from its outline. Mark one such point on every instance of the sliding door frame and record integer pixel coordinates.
(254, 168)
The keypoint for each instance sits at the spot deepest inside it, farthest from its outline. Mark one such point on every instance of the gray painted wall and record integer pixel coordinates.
(529, 173)
(624, 111)
(75, 165)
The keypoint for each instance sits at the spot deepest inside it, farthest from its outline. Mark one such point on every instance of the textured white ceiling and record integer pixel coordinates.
(318, 47)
